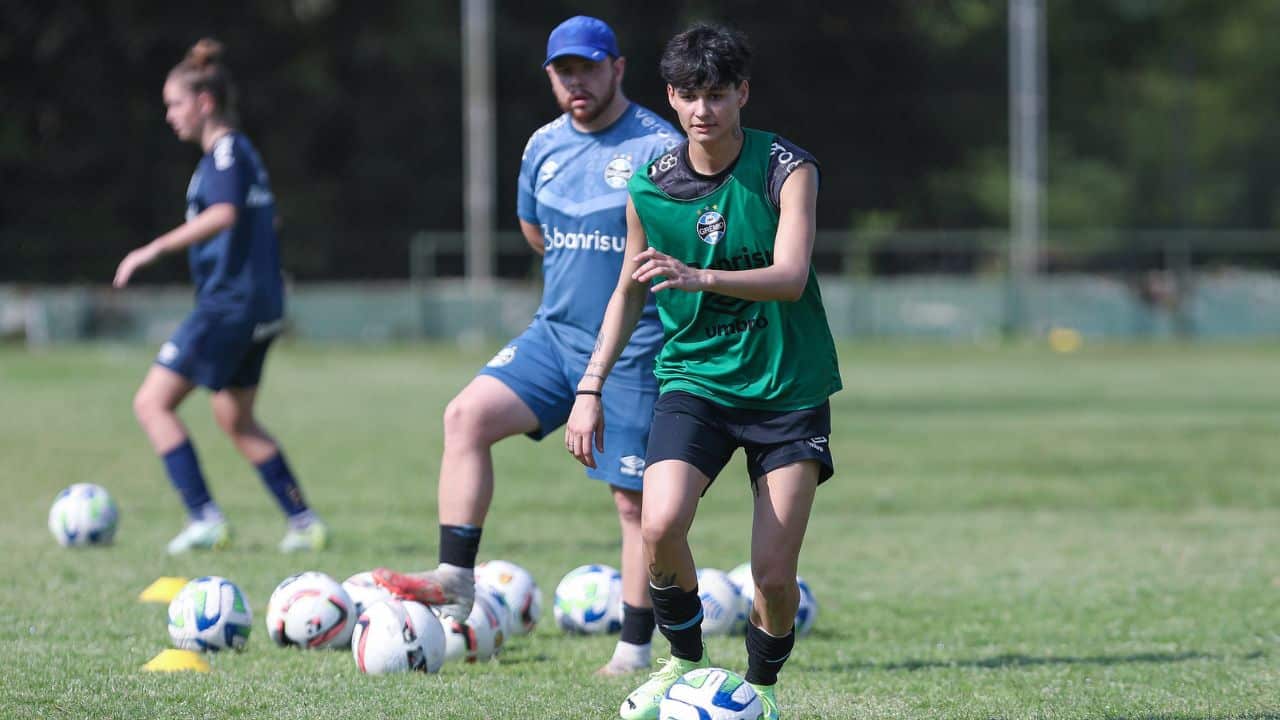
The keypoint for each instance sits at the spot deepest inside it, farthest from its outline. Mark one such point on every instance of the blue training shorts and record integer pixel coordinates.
(544, 374)
(217, 352)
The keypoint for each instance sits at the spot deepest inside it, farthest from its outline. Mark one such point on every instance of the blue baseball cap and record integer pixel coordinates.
(582, 36)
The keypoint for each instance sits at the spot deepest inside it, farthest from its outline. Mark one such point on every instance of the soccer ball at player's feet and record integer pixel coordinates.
(711, 694)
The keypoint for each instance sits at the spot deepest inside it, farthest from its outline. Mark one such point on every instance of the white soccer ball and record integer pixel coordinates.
(589, 600)
(83, 514)
(364, 592)
(806, 613)
(397, 636)
(722, 608)
(210, 613)
(482, 635)
(310, 610)
(740, 576)
(710, 694)
(524, 598)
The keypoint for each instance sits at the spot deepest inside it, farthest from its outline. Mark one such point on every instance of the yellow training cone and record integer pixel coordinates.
(162, 590)
(177, 661)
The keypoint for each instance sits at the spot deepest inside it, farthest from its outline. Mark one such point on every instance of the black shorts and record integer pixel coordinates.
(705, 434)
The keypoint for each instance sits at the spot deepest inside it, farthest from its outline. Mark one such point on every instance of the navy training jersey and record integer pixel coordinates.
(573, 185)
(237, 271)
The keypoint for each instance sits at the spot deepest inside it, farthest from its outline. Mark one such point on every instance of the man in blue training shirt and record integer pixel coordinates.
(572, 209)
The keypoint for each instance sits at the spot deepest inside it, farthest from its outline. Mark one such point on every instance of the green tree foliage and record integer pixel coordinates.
(1161, 113)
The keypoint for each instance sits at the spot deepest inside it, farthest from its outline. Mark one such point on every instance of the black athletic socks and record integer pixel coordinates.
(459, 545)
(637, 625)
(679, 616)
(766, 654)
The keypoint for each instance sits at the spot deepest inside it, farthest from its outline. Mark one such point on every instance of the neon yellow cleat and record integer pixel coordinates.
(767, 701)
(642, 703)
(310, 538)
(201, 535)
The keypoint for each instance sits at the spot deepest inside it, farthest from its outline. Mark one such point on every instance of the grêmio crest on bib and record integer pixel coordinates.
(711, 225)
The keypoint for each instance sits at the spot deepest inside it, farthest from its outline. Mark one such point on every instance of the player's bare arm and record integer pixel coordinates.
(533, 235)
(585, 427)
(213, 220)
(784, 280)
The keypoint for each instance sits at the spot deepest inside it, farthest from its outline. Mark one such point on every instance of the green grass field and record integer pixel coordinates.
(1010, 533)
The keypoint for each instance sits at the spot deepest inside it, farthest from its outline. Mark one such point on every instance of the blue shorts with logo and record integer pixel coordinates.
(214, 351)
(544, 375)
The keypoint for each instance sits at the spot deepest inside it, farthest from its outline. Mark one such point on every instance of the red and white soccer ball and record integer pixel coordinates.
(364, 592)
(482, 635)
(398, 636)
(310, 610)
(723, 609)
(522, 595)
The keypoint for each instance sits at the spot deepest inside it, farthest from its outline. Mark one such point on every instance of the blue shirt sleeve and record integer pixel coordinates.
(224, 180)
(526, 203)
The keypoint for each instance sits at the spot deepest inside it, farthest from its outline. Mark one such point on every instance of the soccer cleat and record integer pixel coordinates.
(452, 588)
(768, 703)
(201, 535)
(314, 536)
(642, 703)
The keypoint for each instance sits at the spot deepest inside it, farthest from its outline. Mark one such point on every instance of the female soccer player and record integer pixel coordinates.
(231, 244)
(723, 228)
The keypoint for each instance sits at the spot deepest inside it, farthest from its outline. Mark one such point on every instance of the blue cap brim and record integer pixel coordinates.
(593, 54)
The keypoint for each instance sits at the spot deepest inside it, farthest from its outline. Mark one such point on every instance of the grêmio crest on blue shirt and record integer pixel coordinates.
(573, 186)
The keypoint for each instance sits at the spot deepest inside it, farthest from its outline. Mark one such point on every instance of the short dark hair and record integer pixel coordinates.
(706, 56)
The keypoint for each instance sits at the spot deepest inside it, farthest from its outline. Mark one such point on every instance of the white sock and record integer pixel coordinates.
(632, 655)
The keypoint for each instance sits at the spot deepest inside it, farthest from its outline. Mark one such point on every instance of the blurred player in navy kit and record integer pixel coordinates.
(571, 205)
(230, 239)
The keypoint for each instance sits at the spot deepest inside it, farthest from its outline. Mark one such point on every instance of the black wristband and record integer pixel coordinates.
(588, 392)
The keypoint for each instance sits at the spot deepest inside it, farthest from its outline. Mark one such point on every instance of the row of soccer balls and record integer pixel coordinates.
(589, 600)
(312, 610)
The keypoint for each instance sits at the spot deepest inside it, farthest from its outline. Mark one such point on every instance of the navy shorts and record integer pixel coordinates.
(705, 434)
(218, 352)
(544, 375)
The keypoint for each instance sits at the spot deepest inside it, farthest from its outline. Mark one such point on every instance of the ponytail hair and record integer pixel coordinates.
(203, 70)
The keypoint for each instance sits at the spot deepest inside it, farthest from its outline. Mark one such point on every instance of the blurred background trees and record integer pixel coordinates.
(1162, 114)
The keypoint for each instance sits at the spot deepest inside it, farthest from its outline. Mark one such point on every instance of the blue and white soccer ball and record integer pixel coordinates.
(710, 694)
(83, 514)
(522, 595)
(310, 610)
(806, 613)
(397, 636)
(210, 613)
(722, 605)
(589, 600)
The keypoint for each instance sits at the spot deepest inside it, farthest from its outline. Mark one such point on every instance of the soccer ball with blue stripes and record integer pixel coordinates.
(210, 613)
(710, 694)
(83, 514)
(723, 609)
(806, 611)
(589, 600)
